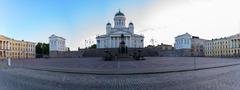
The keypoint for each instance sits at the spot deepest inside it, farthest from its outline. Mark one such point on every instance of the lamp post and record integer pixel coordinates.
(85, 44)
(9, 61)
(194, 58)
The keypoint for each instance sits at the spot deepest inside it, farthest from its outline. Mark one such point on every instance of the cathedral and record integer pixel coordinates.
(112, 38)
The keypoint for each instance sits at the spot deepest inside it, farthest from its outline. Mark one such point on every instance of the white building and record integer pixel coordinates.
(56, 43)
(112, 37)
(192, 44)
(183, 41)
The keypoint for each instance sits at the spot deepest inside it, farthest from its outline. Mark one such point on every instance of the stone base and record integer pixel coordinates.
(123, 56)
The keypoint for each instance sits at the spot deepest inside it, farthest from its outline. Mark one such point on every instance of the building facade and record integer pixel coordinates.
(193, 45)
(16, 49)
(164, 47)
(223, 47)
(197, 47)
(57, 43)
(183, 41)
(112, 38)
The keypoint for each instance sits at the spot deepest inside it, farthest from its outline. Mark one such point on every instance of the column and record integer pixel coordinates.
(117, 41)
(4, 45)
(238, 43)
(9, 45)
(180, 43)
(114, 42)
(110, 42)
(129, 41)
(238, 46)
(6, 52)
(230, 43)
(235, 43)
(1, 44)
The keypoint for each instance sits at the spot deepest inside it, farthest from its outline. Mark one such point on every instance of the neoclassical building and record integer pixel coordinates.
(193, 44)
(57, 43)
(112, 37)
(224, 47)
(183, 41)
(16, 49)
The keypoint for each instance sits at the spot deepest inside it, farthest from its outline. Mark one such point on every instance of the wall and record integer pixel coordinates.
(147, 52)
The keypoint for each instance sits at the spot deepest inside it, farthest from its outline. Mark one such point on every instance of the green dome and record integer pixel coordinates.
(119, 14)
(108, 23)
(130, 23)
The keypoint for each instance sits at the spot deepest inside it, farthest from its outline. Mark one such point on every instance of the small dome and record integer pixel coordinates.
(130, 23)
(119, 14)
(108, 23)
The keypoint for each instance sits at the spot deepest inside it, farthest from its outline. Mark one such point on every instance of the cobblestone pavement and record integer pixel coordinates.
(152, 64)
(226, 78)
(3, 64)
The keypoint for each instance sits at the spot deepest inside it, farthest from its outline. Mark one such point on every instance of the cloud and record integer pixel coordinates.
(161, 20)
(205, 18)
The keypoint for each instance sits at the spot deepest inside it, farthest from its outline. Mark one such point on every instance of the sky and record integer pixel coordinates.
(80, 20)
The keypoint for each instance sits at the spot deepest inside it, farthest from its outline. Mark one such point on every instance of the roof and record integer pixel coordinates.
(2, 36)
(11, 39)
(119, 13)
(186, 34)
(54, 36)
(108, 23)
(130, 23)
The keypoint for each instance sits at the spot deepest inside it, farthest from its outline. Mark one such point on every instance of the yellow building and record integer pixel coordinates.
(224, 47)
(16, 49)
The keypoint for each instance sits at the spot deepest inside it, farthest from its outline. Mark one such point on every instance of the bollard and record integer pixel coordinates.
(9, 62)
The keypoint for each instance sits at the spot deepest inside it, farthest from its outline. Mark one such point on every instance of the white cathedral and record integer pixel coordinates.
(112, 38)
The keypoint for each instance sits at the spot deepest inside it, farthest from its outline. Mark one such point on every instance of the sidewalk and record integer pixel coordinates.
(149, 66)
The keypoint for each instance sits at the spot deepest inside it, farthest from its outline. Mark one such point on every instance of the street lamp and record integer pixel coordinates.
(194, 57)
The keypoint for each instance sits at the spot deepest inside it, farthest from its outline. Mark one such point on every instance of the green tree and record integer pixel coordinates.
(45, 49)
(94, 46)
(42, 49)
(39, 49)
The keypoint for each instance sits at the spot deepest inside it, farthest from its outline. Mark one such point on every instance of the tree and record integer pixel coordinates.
(94, 46)
(150, 46)
(39, 50)
(42, 49)
(45, 48)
